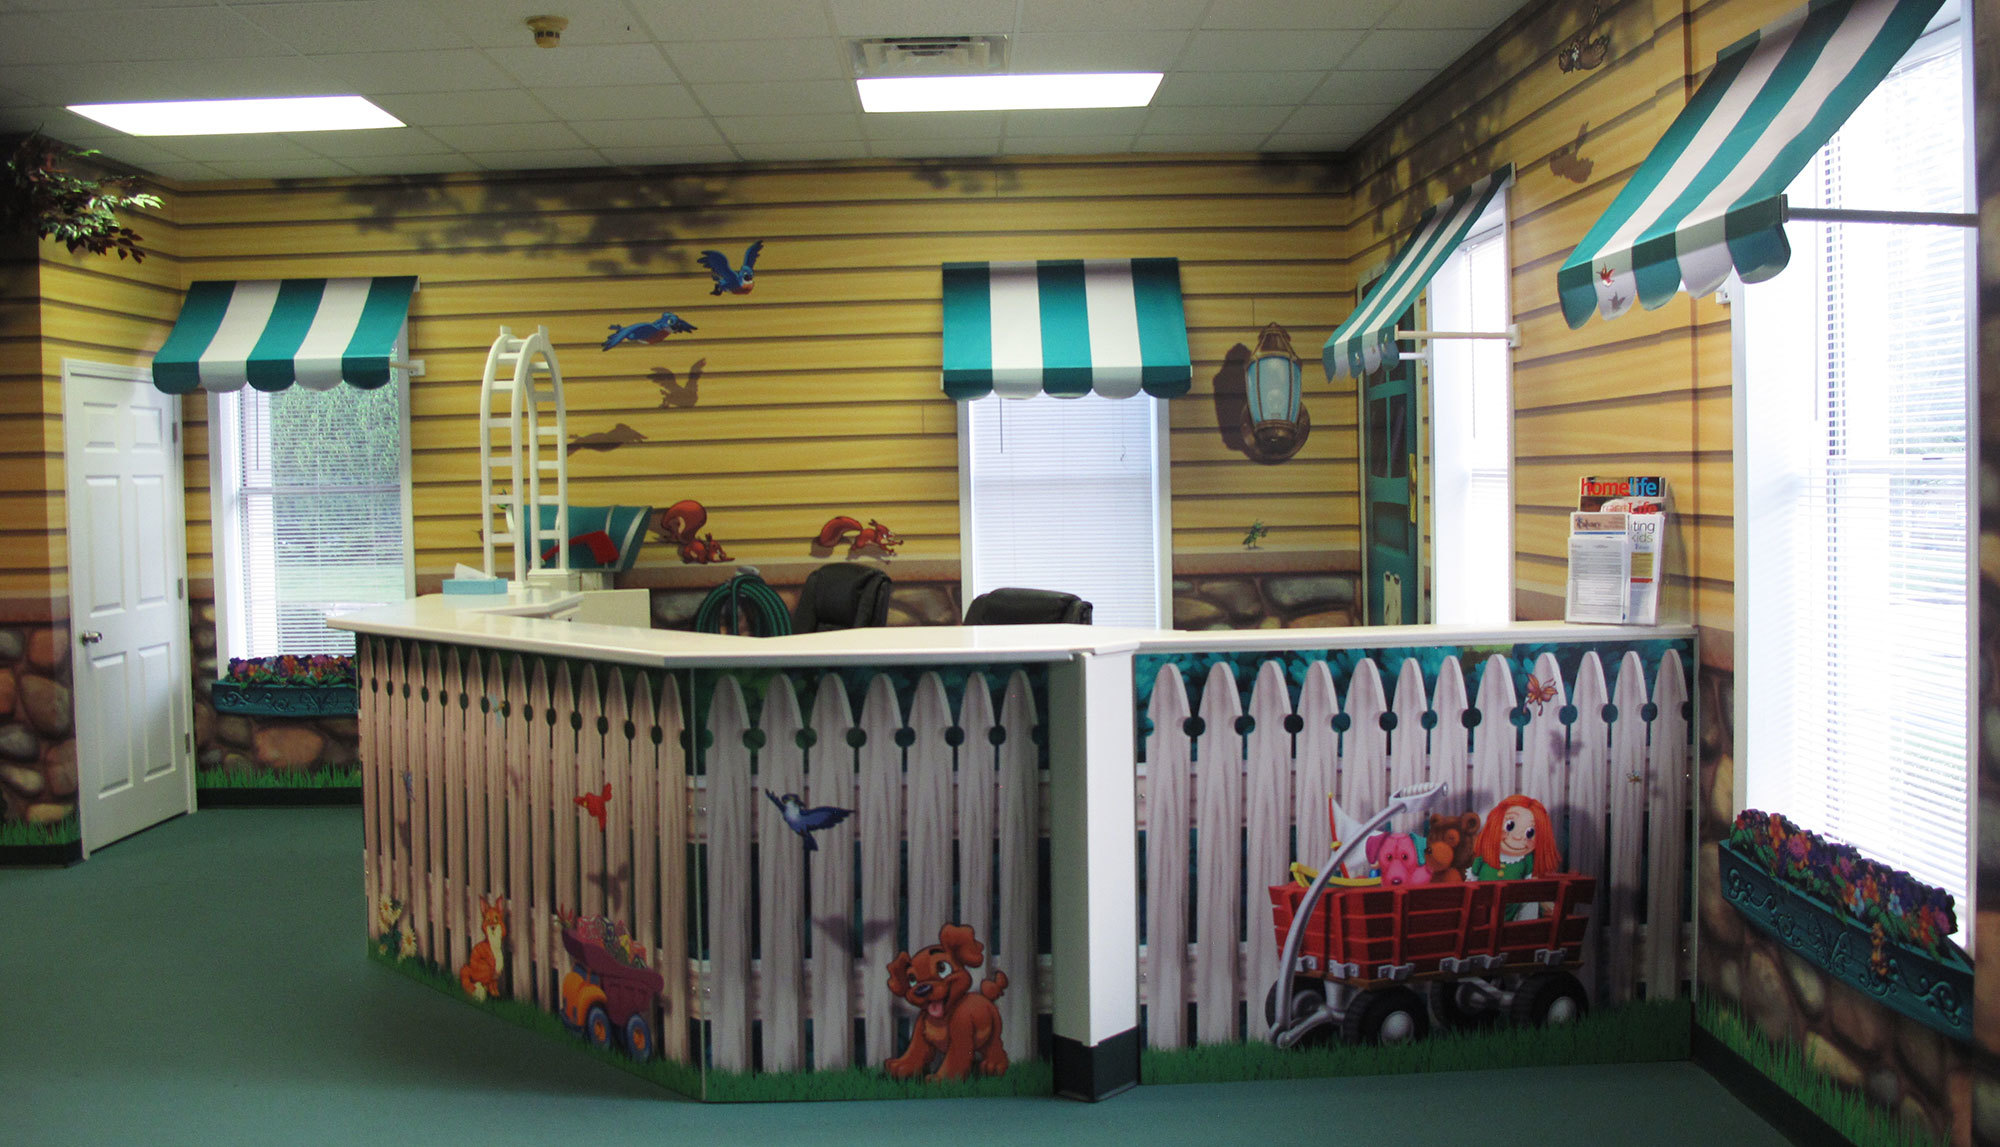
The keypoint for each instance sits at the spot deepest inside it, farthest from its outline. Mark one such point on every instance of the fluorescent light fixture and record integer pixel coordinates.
(1008, 93)
(240, 117)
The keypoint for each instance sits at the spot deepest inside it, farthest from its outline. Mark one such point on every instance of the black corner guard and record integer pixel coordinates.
(1097, 1071)
(1776, 1106)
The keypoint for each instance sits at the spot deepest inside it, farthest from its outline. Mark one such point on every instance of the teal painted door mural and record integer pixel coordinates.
(1392, 561)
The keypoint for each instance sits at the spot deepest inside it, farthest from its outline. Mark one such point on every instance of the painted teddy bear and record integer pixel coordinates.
(1449, 846)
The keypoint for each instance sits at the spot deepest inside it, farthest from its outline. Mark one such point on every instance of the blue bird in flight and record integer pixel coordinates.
(803, 820)
(647, 334)
(735, 280)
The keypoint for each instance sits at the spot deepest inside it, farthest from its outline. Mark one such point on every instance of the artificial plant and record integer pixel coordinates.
(38, 195)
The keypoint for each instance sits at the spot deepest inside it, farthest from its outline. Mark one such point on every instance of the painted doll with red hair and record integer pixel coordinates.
(1516, 841)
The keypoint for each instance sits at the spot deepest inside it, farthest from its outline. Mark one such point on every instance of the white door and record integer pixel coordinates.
(128, 601)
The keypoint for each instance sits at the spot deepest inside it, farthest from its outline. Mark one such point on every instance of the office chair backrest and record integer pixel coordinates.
(1014, 606)
(842, 595)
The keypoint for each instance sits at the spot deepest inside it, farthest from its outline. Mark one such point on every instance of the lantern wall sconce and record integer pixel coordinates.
(1275, 424)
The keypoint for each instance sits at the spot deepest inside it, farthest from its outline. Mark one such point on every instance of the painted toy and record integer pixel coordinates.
(480, 977)
(957, 1026)
(1517, 841)
(1394, 856)
(735, 280)
(649, 333)
(1448, 846)
(608, 995)
(873, 540)
(679, 524)
(1351, 957)
(805, 821)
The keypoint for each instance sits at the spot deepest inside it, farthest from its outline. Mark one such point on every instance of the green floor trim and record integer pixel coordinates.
(21, 833)
(1643, 1032)
(328, 777)
(1033, 1078)
(1785, 1064)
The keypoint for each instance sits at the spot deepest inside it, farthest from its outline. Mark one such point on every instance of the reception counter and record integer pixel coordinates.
(927, 860)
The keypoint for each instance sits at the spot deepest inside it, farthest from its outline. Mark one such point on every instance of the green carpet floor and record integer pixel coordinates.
(205, 983)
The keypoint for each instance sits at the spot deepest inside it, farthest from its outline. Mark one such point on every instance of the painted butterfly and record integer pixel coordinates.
(1540, 694)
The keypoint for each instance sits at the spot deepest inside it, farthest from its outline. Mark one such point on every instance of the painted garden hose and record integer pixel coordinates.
(744, 605)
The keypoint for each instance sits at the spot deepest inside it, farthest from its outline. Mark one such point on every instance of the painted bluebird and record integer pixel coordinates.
(803, 820)
(647, 334)
(735, 280)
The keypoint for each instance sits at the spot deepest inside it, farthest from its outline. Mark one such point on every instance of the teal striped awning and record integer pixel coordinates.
(1711, 196)
(273, 333)
(1367, 339)
(1065, 326)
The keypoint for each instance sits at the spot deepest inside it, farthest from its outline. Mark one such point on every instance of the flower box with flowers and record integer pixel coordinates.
(1871, 926)
(288, 686)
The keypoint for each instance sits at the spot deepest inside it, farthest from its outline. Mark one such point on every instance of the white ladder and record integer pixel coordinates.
(536, 445)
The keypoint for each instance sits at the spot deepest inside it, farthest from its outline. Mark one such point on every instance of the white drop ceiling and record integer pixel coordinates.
(650, 82)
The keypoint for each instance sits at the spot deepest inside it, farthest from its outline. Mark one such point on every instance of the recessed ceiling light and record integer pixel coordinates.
(1008, 93)
(240, 117)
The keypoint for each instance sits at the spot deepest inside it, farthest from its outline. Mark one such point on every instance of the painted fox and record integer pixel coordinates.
(480, 977)
(873, 540)
(679, 525)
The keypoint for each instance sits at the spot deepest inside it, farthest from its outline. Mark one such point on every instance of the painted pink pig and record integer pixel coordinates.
(1395, 855)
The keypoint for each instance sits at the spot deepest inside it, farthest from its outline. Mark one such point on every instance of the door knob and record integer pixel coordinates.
(90, 637)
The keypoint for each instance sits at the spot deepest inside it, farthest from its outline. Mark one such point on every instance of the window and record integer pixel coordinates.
(1853, 419)
(1472, 500)
(312, 513)
(1067, 494)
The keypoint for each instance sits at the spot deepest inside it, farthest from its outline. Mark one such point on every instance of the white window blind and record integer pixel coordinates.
(1064, 494)
(1858, 491)
(1471, 425)
(317, 501)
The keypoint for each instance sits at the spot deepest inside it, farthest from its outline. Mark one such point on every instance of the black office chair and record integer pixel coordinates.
(842, 595)
(1011, 605)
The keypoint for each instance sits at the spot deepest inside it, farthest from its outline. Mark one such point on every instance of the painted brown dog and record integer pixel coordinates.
(956, 1026)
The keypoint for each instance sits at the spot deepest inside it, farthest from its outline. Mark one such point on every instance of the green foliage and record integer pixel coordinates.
(1034, 1077)
(329, 777)
(1642, 1032)
(64, 831)
(38, 196)
(1785, 1064)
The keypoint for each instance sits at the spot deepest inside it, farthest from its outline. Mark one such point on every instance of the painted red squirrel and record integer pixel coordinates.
(679, 524)
(872, 540)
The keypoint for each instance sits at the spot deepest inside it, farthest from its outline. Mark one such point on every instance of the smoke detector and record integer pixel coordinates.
(884, 56)
(548, 30)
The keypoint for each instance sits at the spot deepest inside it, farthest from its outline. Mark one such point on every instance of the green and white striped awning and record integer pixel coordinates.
(1065, 326)
(1711, 196)
(273, 333)
(1367, 339)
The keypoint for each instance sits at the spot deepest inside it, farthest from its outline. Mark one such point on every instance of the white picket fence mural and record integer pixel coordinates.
(1251, 795)
(474, 763)
(925, 786)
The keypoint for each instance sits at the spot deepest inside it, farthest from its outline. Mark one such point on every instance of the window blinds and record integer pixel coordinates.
(1064, 495)
(319, 510)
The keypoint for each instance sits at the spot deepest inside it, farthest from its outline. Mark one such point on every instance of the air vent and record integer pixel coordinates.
(929, 55)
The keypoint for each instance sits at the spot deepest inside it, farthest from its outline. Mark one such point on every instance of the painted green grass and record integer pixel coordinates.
(1785, 1064)
(329, 777)
(1641, 1032)
(64, 831)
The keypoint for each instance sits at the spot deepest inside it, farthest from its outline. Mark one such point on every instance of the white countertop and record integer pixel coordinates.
(496, 623)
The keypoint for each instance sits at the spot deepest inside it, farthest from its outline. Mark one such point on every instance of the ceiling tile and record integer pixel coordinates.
(31, 37)
(1482, 14)
(184, 171)
(933, 125)
(142, 153)
(1297, 51)
(357, 26)
(218, 149)
(282, 168)
(667, 156)
(432, 109)
(169, 34)
(725, 61)
(742, 130)
(1347, 86)
(931, 148)
(1203, 121)
(439, 71)
(1335, 119)
(1431, 48)
(491, 25)
(820, 96)
(777, 151)
(410, 164)
(1100, 121)
(630, 101)
(387, 141)
(583, 66)
(1102, 52)
(921, 17)
(508, 137)
(1293, 15)
(676, 21)
(64, 124)
(655, 133)
(1226, 89)
(1067, 145)
(173, 80)
(534, 160)
(1110, 15)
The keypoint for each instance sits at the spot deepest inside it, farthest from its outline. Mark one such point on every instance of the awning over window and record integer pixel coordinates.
(1368, 338)
(1711, 195)
(273, 333)
(1067, 326)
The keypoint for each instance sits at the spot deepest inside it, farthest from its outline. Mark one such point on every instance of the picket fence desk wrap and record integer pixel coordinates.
(905, 861)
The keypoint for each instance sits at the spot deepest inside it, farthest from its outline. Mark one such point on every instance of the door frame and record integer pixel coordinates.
(183, 668)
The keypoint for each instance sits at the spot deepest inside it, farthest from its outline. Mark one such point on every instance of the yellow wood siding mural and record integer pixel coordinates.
(817, 394)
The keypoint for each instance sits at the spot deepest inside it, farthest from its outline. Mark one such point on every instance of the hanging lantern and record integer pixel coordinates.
(1274, 418)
